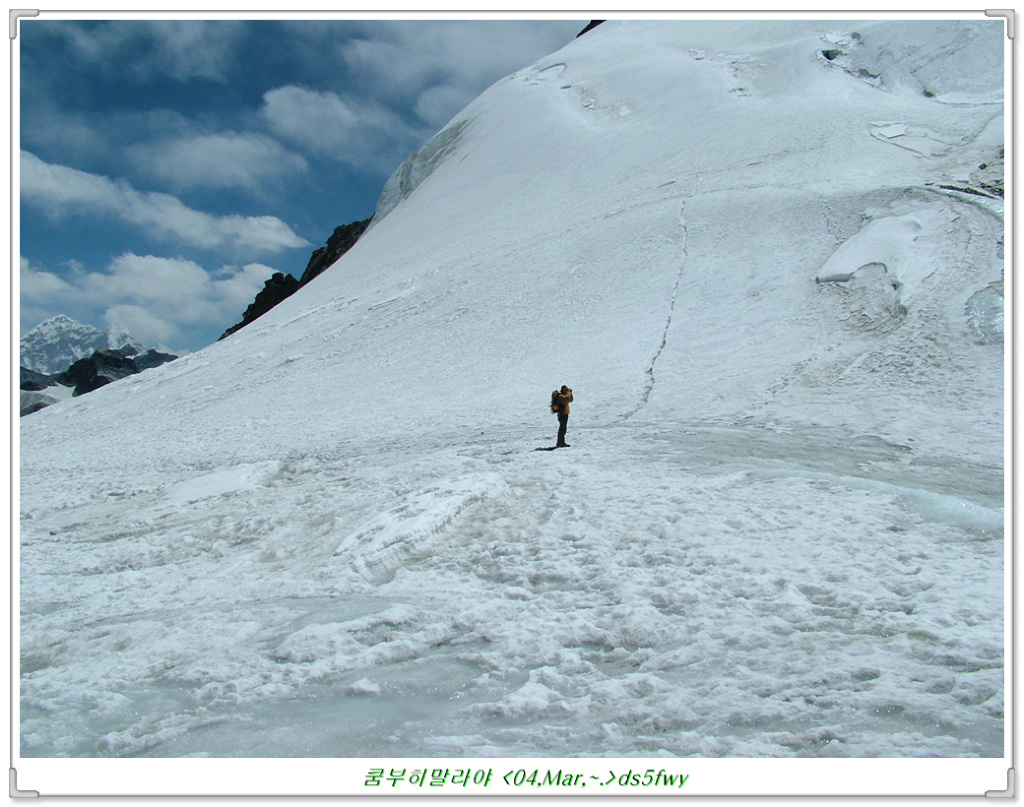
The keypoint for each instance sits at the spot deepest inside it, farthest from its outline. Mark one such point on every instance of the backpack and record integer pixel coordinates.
(555, 406)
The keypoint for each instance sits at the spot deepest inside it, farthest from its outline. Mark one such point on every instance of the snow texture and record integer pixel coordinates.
(750, 250)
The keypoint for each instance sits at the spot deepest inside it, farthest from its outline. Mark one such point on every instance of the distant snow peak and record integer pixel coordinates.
(53, 345)
(57, 343)
(61, 358)
(119, 339)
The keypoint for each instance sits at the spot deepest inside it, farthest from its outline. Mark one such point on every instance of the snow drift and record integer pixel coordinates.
(767, 257)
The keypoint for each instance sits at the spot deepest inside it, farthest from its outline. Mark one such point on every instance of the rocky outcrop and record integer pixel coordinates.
(340, 242)
(31, 380)
(278, 288)
(152, 358)
(281, 286)
(85, 375)
(102, 367)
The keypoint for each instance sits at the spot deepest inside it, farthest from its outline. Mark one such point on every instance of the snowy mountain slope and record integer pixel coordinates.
(54, 345)
(758, 253)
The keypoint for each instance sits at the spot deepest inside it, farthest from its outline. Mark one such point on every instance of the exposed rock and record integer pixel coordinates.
(31, 380)
(590, 27)
(152, 358)
(281, 286)
(35, 406)
(102, 367)
(990, 175)
(340, 242)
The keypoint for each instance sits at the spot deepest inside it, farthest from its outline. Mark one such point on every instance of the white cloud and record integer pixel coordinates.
(59, 190)
(172, 282)
(354, 132)
(141, 323)
(188, 48)
(237, 288)
(439, 66)
(38, 284)
(43, 295)
(223, 160)
(157, 299)
(182, 49)
(438, 104)
(260, 233)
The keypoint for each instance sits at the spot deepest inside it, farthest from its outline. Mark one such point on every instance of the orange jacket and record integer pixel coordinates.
(561, 401)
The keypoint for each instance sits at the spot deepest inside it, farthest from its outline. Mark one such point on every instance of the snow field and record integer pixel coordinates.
(624, 597)
(779, 529)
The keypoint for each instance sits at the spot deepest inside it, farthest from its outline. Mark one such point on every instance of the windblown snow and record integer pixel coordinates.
(768, 259)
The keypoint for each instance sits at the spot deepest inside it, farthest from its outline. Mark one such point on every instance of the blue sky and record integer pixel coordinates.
(169, 167)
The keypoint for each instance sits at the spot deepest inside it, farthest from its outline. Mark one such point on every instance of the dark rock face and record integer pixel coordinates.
(152, 358)
(282, 286)
(91, 373)
(340, 242)
(279, 287)
(590, 27)
(33, 381)
(102, 367)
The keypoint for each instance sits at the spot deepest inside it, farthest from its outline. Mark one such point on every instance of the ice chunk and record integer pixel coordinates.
(223, 481)
(985, 314)
(417, 168)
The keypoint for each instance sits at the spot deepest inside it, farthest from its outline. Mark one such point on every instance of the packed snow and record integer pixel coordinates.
(779, 528)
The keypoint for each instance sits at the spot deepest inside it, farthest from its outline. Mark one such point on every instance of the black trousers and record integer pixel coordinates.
(563, 422)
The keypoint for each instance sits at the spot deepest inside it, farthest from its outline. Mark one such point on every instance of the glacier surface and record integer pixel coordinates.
(779, 531)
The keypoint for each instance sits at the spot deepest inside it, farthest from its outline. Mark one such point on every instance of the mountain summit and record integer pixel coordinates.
(57, 343)
(766, 256)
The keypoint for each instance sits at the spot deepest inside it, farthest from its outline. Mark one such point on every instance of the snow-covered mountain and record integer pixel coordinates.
(61, 358)
(767, 257)
(57, 343)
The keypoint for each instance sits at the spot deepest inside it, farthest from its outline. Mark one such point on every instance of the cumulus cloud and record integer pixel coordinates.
(157, 299)
(43, 294)
(439, 66)
(153, 280)
(141, 323)
(356, 132)
(223, 160)
(419, 74)
(439, 103)
(236, 288)
(181, 49)
(38, 284)
(59, 190)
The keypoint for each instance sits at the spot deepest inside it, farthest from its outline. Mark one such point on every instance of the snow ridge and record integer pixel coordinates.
(387, 541)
